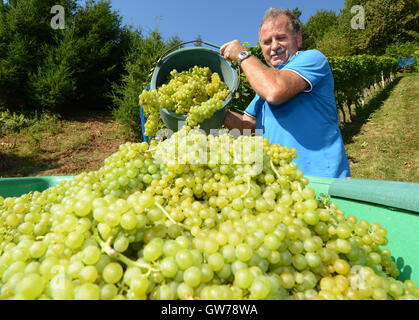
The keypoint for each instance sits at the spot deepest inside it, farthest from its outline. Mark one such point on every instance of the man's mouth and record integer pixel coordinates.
(277, 51)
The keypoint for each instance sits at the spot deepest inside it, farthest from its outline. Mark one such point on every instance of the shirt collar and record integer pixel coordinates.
(289, 60)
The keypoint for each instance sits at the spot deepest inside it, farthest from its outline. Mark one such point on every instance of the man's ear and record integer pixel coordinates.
(299, 39)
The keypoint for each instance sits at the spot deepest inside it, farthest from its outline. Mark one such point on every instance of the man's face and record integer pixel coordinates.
(277, 41)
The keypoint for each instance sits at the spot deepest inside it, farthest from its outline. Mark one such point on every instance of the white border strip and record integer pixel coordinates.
(311, 86)
(249, 115)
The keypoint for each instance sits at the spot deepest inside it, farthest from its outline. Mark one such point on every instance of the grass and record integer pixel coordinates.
(382, 140)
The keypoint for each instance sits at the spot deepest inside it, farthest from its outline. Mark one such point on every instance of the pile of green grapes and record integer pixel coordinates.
(197, 93)
(192, 217)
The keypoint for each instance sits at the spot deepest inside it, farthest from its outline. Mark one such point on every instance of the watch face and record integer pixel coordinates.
(243, 54)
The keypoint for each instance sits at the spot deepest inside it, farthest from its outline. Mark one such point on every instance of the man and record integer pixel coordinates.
(294, 103)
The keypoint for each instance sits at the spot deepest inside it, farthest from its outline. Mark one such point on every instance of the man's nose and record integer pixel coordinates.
(275, 44)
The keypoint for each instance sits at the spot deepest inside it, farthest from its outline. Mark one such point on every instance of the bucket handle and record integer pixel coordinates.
(181, 44)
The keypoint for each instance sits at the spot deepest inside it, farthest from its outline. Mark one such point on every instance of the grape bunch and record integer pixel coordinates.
(197, 93)
(192, 217)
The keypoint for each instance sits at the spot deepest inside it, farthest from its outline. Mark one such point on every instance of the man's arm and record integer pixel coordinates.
(273, 85)
(234, 120)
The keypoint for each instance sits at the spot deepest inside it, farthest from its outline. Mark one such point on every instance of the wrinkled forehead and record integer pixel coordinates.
(280, 24)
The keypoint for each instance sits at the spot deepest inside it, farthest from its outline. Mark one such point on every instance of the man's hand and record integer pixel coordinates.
(234, 120)
(231, 50)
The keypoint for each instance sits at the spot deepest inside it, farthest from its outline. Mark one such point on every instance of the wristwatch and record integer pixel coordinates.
(243, 55)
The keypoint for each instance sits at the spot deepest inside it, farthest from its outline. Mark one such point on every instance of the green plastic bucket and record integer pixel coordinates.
(184, 59)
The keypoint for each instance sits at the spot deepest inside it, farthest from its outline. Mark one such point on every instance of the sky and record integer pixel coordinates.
(216, 21)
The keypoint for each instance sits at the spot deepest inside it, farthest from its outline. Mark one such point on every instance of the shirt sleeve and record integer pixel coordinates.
(311, 65)
(254, 107)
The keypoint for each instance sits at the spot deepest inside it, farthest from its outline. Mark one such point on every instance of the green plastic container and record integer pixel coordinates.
(395, 205)
(182, 60)
(15, 187)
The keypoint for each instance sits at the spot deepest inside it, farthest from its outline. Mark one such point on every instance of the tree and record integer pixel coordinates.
(297, 12)
(101, 42)
(316, 26)
(24, 30)
(387, 22)
(335, 43)
(46, 68)
(54, 85)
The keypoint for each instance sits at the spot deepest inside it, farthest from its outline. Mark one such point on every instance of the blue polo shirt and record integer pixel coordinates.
(309, 121)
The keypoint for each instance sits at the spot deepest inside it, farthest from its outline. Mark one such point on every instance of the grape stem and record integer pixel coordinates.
(167, 214)
(151, 150)
(248, 187)
(299, 188)
(106, 247)
(274, 170)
